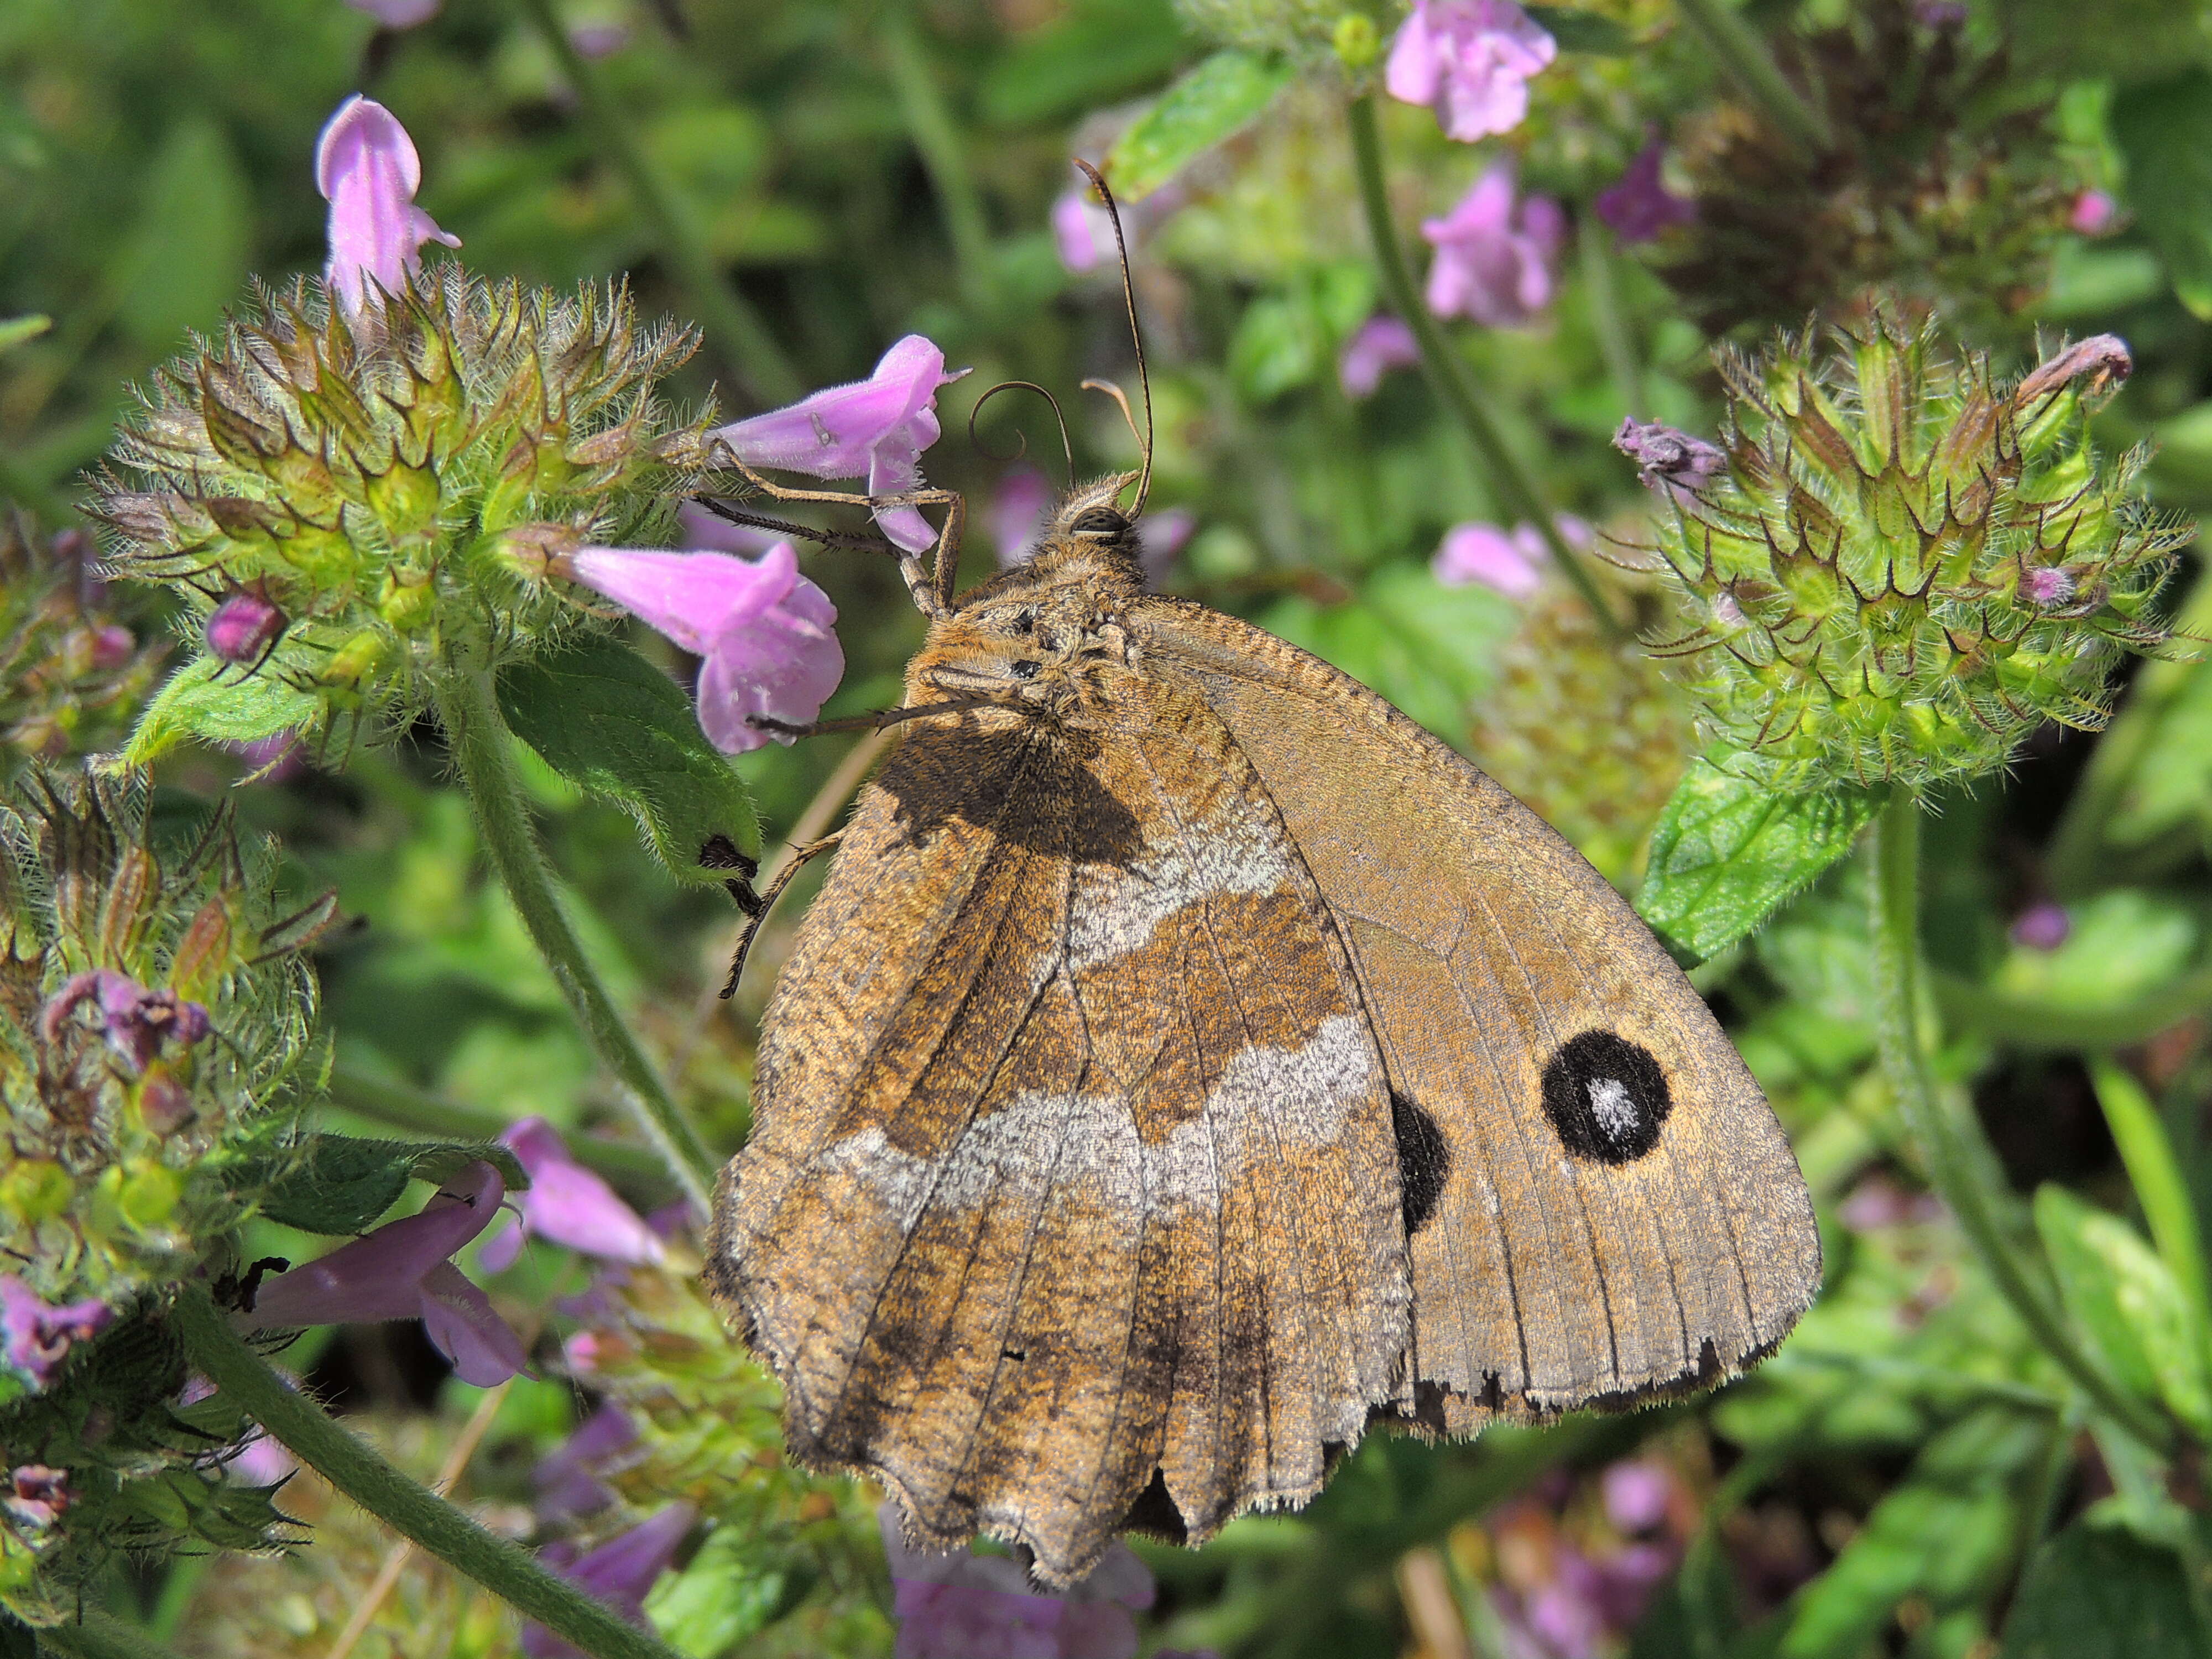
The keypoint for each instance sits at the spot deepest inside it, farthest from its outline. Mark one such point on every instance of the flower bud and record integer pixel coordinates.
(1358, 43)
(244, 629)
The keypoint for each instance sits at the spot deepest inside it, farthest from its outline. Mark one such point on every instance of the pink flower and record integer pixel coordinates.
(404, 1270)
(567, 1204)
(261, 1460)
(618, 1573)
(399, 13)
(1380, 344)
(1081, 231)
(108, 647)
(1669, 458)
(963, 1606)
(244, 628)
(1161, 537)
(36, 1495)
(1494, 257)
(1637, 1494)
(764, 630)
(2094, 213)
(2046, 586)
(1476, 552)
(1640, 206)
(2043, 927)
(876, 428)
(1018, 513)
(38, 1336)
(366, 169)
(566, 1480)
(137, 1021)
(1470, 61)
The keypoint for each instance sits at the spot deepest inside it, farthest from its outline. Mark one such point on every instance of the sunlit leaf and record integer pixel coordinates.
(217, 703)
(2125, 1302)
(1214, 101)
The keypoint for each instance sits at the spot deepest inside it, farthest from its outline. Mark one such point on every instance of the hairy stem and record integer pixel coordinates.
(483, 751)
(434, 1526)
(939, 140)
(1517, 491)
(1960, 1163)
(733, 325)
(1751, 67)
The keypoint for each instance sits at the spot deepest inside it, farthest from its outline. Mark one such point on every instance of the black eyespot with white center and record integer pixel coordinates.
(1606, 1097)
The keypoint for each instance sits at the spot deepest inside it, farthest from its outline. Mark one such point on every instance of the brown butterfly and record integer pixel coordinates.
(1191, 1061)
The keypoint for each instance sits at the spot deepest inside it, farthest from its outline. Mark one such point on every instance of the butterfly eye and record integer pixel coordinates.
(1021, 621)
(1099, 521)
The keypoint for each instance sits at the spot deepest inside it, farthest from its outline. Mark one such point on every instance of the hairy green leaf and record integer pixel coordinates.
(217, 703)
(2124, 1300)
(338, 1184)
(1213, 101)
(2099, 1592)
(620, 729)
(1726, 852)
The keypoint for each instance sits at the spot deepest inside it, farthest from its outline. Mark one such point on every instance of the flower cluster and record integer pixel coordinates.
(71, 673)
(1495, 253)
(1893, 566)
(158, 1016)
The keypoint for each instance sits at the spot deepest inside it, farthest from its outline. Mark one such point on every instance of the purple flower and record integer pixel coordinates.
(2043, 927)
(567, 1204)
(1878, 1201)
(36, 1495)
(261, 1460)
(565, 1479)
(876, 428)
(274, 758)
(243, 628)
(963, 1605)
(1637, 1494)
(1162, 538)
(367, 169)
(1477, 552)
(137, 1021)
(399, 13)
(1494, 257)
(1667, 458)
(765, 632)
(618, 1573)
(1640, 206)
(404, 1270)
(2094, 213)
(1470, 61)
(704, 532)
(1083, 231)
(1017, 513)
(1381, 345)
(38, 1336)
(108, 647)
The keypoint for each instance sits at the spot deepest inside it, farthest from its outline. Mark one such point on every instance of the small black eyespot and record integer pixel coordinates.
(1024, 670)
(1100, 521)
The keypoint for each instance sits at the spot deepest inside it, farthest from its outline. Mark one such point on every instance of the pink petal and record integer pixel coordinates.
(571, 1205)
(462, 1324)
(499, 1252)
(381, 1276)
(693, 598)
(1082, 233)
(618, 1573)
(1017, 513)
(783, 665)
(1483, 553)
(366, 167)
(1162, 537)
(833, 434)
(1381, 343)
(1414, 69)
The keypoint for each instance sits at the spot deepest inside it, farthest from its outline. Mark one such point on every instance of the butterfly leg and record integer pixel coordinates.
(762, 903)
(932, 591)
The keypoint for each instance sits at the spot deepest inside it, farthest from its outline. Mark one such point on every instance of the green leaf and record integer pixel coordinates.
(2099, 1592)
(1213, 101)
(336, 1184)
(2123, 1300)
(732, 1588)
(187, 256)
(1105, 50)
(2164, 129)
(1576, 30)
(1726, 852)
(14, 331)
(2123, 945)
(620, 729)
(216, 702)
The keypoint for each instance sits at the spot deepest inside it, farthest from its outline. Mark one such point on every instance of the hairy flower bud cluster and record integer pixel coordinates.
(327, 487)
(1895, 566)
(71, 673)
(154, 1014)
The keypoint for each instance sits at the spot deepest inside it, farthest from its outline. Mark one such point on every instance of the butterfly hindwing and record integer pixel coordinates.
(1607, 1207)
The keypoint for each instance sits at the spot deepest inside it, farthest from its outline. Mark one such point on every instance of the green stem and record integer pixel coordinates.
(1753, 67)
(482, 750)
(2160, 1188)
(1518, 493)
(2071, 859)
(1960, 1163)
(1621, 358)
(639, 1173)
(427, 1521)
(97, 1635)
(730, 321)
(944, 155)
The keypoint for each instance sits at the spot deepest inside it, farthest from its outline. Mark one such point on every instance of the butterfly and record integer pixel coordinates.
(1190, 1060)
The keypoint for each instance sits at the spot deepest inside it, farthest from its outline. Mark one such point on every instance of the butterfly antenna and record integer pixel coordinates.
(1136, 336)
(1067, 448)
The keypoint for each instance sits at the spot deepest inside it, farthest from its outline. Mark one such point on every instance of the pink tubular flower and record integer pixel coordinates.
(618, 1573)
(1017, 514)
(244, 628)
(367, 169)
(35, 1337)
(1640, 207)
(1477, 552)
(764, 630)
(404, 1270)
(961, 1605)
(567, 1204)
(1471, 62)
(1379, 345)
(566, 1479)
(2094, 213)
(137, 1021)
(1494, 257)
(36, 1495)
(876, 428)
